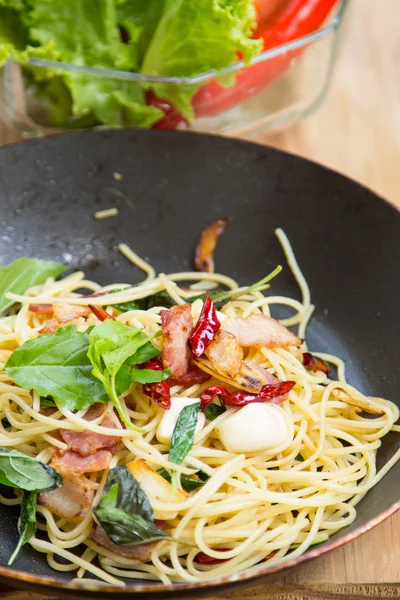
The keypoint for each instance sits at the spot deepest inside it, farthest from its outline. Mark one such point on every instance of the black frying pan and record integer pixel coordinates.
(347, 241)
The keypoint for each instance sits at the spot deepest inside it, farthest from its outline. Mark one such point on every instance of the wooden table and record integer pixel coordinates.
(357, 132)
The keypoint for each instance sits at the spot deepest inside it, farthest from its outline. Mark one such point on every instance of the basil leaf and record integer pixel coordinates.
(113, 347)
(189, 484)
(149, 376)
(22, 274)
(130, 305)
(203, 475)
(57, 365)
(183, 434)
(6, 423)
(27, 523)
(23, 472)
(299, 457)
(160, 299)
(124, 510)
(214, 410)
(145, 353)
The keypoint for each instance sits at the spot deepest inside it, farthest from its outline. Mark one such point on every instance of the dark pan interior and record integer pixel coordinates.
(347, 241)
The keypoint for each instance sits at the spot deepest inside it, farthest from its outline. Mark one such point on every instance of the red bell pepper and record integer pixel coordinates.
(206, 328)
(159, 392)
(269, 392)
(299, 18)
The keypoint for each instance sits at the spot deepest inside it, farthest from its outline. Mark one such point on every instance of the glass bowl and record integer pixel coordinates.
(295, 78)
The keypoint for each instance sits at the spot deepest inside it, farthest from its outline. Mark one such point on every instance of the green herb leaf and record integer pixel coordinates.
(189, 484)
(149, 376)
(113, 347)
(215, 32)
(47, 402)
(124, 510)
(130, 305)
(145, 353)
(214, 410)
(27, 522)
(22, 274)
(183, 434)
(160, 299)
(57, 365)
(299, 457)
(220, 298)
(23, 472)
(6, 423)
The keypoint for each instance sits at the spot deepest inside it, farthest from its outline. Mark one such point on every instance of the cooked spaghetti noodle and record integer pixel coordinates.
(259, 506)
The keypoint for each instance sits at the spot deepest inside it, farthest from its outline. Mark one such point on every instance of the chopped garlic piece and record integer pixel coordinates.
(253, 428)
(168, 421)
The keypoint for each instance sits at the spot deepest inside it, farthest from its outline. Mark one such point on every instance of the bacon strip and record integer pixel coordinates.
(41, 309)
(71, 501)
(71, 462)
(63, 314)
(88, 442)
(192, 376)
(177, 326)
(261, 331)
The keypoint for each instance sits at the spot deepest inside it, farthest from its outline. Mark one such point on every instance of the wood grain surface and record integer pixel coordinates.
(356, 132)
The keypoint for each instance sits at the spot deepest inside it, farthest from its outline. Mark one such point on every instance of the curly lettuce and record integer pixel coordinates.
(163, 37)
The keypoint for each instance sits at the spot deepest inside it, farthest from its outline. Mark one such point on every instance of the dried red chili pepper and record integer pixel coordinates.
(159, 392)
(275, 392)
(204, 254)
(206, 328)
(204, 559)
(192, 376)
(313, 363)
(100, 313)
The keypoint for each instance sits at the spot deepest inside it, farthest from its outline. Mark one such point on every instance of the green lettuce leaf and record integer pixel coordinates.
(86, 33)
(193, 37)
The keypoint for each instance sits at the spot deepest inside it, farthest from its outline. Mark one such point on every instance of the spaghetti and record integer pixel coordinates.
(255, 506)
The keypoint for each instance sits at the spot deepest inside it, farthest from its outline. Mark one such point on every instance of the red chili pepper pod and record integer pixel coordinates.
(159, 392)
(206, 328)
(313, 363)
(275, 392)
(100, 313)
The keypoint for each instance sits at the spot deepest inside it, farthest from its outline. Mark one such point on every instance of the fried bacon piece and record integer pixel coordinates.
(177, 326)
(261, 331)
(70, 501)
(139, 552)
(204, 255)
(62, 315)
(89, 442)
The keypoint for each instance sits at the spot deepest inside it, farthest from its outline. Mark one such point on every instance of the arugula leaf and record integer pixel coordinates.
(183, 434)
(189, 484)
(23, 472)
(57, 365)
(23, 273)
(27, 522)
(113, 348)
(124, 510)
(214, 410)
